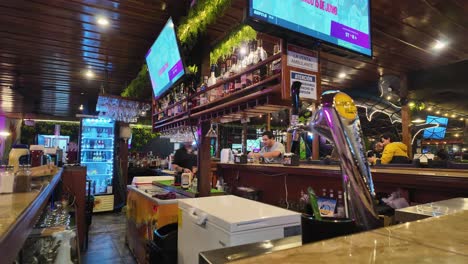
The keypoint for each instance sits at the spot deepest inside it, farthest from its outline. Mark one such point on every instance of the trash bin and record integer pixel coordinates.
(316, 230)
(163, 248)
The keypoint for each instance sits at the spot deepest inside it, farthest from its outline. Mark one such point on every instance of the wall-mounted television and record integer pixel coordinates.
(435, 132)
(165, 64)
(345, 24)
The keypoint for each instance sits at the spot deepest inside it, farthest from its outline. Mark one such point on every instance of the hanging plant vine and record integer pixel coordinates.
(240, 34)
(203, 14)
(137, 87)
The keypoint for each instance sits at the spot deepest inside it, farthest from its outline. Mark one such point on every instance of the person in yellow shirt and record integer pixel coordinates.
(393, 152)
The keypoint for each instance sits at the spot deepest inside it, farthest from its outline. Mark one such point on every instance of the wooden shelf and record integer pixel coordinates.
(23, 210)
(238, 75)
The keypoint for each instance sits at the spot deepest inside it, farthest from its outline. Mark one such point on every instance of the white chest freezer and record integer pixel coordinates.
(223, 221)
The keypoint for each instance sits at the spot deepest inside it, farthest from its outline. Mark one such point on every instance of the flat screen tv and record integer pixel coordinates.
(164, 61)
(436, 132)
(345, 24)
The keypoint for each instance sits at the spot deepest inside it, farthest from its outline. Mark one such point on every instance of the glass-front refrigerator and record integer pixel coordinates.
(97, 154)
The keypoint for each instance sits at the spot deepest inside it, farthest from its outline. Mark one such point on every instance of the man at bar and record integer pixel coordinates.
(393, 152)
(184, 161)
(272, 151)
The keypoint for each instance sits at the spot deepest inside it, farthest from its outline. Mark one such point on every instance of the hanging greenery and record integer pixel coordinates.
(136, 89)
(141, 137)
(29, 133)
(242, 33)
(204, 13)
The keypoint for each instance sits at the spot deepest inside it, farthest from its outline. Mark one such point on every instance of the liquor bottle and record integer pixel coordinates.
(222, 69)
(340, 210)
(276, 65)
(261, 52)
(324, 192)
(228, 68)
(332, 196)
(212, 80)
(235, 68)
(253, 56)
(243, 80)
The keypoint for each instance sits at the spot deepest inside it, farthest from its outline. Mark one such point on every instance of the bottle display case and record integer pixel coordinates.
(97, 153)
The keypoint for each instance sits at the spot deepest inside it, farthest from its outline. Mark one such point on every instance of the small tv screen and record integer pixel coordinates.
(342, 23)
(253, 145)
(164, 61)
(436, 132)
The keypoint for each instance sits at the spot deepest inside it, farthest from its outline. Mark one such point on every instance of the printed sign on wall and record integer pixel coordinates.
(309, 84)
(302, 58)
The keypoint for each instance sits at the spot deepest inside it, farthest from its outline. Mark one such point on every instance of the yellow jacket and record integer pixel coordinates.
(392, 150)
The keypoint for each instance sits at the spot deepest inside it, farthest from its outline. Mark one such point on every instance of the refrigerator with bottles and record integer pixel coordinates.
(97, 152)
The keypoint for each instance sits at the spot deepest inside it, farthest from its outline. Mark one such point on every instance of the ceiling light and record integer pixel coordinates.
(102, 21)
(260, 116)
(342, 75)
(89, 74)
(411, 104)
(418, 120)
(457, 135)
(446, 114)
(389, 97)
(438, 45)
(81, 107)
(271, 118)
(461, 118)
(437, 112)
(453, 116)
(163, 6)
(4, 133)
(429, 109)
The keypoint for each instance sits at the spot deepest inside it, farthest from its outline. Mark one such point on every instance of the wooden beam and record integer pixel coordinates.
(204, 161)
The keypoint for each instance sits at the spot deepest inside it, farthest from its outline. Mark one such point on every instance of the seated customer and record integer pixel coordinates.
(272, 151)
(393, 152)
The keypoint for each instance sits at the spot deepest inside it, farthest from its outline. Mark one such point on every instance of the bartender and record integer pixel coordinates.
(272, 151)
(184, 161)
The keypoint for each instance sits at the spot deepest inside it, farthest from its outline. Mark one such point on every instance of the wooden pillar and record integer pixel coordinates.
(204, 161)
(405, 116)
(268, 121)
(244, 138)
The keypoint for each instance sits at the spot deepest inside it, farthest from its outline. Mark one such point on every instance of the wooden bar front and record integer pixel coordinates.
(277, 183)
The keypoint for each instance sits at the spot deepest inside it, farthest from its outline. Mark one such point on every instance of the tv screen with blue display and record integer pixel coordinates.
(436, 132)
(164, 61)
(342, 23)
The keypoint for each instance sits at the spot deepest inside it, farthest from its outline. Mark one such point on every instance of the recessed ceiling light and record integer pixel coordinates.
(461, 118)
(102, 21)
(341, 75)
(437, 112)
(438, 45)
(82, 93)
(89, 74)
(81, 107)
(411, 104)
(457, 135)
(446, 114)
(453, 116)
(389, 97)
(429, 109)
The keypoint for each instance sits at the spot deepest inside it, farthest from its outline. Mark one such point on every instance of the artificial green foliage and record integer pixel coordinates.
(139, 85)
(141, 137)
(193, 69)
(240, 34)
(204, 13)
(29, 133)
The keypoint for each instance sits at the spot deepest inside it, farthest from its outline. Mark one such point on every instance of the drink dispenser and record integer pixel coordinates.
(37, 153)
(338, 121)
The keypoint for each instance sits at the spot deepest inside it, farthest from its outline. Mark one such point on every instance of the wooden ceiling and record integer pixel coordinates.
(46, 47)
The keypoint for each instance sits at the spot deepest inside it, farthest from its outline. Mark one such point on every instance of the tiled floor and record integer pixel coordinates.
(107, 240)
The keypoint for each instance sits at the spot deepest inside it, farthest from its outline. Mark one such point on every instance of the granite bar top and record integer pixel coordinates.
(422, 211)
(18, 214)
(441, 239)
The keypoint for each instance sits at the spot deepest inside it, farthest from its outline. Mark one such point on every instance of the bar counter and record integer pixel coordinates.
(419, 185)
(434, 240)
(18, 215)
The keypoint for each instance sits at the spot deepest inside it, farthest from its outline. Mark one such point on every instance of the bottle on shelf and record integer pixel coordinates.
(276, 65)
(340, 210)
(332, 196)
(212, 80)
(324, 192)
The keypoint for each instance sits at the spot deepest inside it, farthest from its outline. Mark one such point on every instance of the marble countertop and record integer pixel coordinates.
(422, 211)
(442, 239)
(12, 205)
